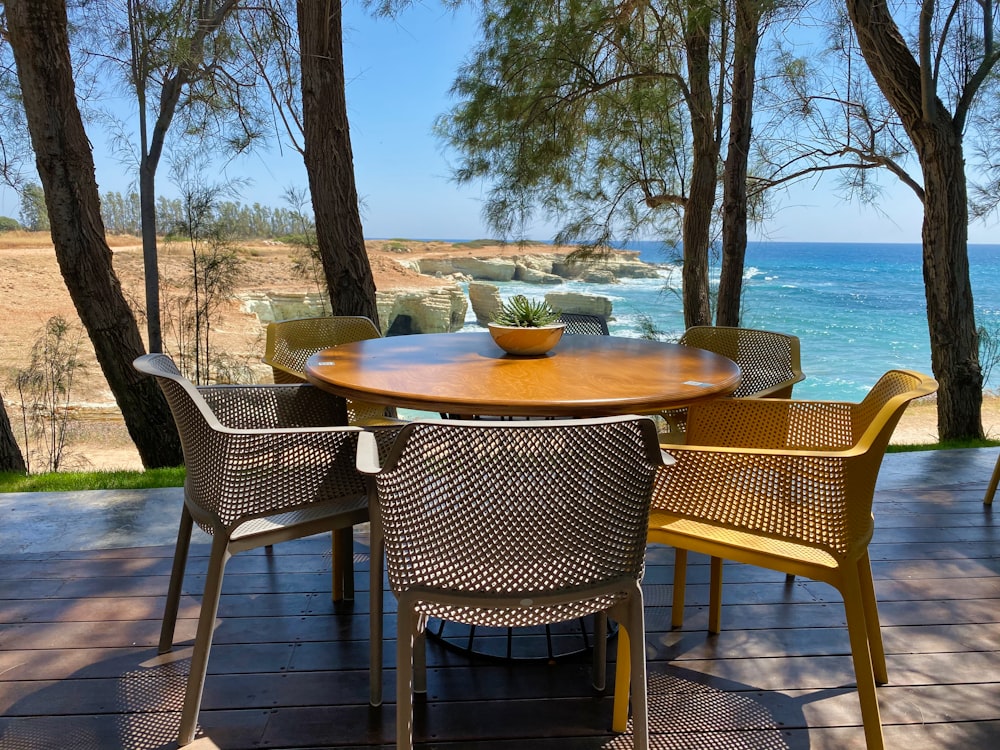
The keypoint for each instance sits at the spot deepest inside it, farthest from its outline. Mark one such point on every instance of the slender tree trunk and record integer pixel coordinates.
(329, 161)
(734, 178)
(705, 155)
(951, 315)
(40, 44)
(937, 140)
(11, 458)
(151, 269)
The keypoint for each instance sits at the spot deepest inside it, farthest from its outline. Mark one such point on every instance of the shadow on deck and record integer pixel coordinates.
(84, 575)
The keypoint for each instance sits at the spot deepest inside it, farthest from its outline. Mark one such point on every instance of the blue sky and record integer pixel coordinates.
(399, 73)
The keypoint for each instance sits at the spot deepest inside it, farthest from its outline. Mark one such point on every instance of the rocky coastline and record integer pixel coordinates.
(406, 306)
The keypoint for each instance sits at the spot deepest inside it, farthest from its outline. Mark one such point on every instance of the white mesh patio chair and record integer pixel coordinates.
(501, 524)
(261, 468)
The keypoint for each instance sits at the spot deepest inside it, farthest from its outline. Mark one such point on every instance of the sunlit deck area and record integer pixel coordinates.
(83, 578)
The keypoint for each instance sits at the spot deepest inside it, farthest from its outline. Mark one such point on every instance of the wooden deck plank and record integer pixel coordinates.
(78, 631)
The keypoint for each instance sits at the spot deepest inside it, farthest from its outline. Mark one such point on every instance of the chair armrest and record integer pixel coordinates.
(785, 424)
(243, 474)
(290, 374)
(819, 498)
(779, 390)
(274, 406)
(368, 459)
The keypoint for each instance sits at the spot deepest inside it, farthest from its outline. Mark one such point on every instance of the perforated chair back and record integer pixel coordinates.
(769, 365)
(290, 343)
(583, 324)
(516, 524)
(514, 508)
(769, 361)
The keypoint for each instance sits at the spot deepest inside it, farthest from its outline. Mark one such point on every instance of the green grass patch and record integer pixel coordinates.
(76, 481)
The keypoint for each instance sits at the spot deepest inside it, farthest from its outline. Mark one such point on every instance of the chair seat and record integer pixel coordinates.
(528, 615)
(317, 513)
(735, 544)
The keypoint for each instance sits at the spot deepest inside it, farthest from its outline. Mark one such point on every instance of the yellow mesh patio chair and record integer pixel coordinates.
(769, 364)
(509, 524)
(788, 485)
(290, 343)
(263, 466)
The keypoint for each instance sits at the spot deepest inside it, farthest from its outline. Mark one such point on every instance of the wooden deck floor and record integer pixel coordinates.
(79, 670)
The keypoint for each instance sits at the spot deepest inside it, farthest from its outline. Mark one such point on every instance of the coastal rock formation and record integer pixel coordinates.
(485, 269)
(272, 306)
(541, 268)
(436, 310)
(485, 299)
(575, 302)
(427, 297)
(432, 310)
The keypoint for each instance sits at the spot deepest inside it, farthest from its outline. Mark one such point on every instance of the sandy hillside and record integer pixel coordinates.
(32, 290)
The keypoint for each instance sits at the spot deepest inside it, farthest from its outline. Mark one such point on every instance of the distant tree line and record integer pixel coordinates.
(238, 220)
(121, 214)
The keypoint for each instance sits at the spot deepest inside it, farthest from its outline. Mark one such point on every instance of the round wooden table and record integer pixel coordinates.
(466, 373)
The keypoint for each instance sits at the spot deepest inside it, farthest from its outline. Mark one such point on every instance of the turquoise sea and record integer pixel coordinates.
(858, 309)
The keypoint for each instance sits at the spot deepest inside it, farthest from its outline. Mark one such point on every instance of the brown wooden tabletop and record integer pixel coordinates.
(466, 373)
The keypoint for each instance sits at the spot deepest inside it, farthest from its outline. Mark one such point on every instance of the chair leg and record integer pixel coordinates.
(203, 640)
(870, 603)
(406, 634)
(715, 596)
(857, 631)
(994, 481)
(419, 650)
(599, 673)
(375, 620)
(623, 677)
(630, 671)
(637, 651)
(176, 582)
(680, 579)
(342, 557)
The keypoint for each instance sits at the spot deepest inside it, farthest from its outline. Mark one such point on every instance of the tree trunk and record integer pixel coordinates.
(40, 44)
(330, 162)
(937, 141)
(11, 458)
(951, 315)
(734, 178)
(151, 268)
(705, 154)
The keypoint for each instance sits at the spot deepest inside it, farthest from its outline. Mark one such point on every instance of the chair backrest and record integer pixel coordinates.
(494, 508)
(290, 343)
(823, 453)
(233, 469)
(583, 324)
(769, 361)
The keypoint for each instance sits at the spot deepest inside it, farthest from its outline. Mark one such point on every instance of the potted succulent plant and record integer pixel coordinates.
(526, 327)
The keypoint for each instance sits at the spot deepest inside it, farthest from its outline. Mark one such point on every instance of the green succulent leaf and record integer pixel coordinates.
(521, 312)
